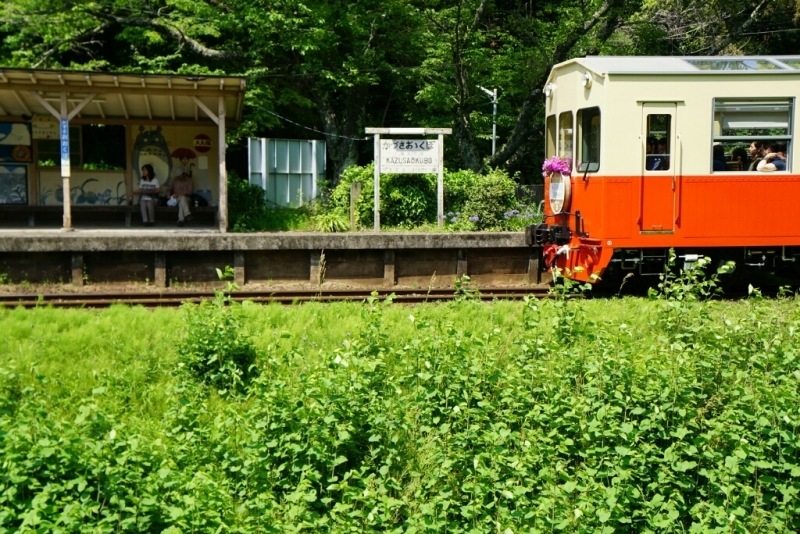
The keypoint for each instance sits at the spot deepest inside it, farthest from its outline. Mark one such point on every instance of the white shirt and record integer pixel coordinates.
(149, 189)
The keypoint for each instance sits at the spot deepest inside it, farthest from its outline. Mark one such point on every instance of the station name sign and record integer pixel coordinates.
(409, 156)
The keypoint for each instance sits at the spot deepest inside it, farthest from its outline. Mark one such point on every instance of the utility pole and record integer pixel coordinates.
(493, 96)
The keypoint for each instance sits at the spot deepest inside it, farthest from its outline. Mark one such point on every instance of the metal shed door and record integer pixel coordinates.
(659, 123)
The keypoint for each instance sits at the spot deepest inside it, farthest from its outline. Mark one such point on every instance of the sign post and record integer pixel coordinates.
(409, 156)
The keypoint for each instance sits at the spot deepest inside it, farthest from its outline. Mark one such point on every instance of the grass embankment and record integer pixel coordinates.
(579, 416)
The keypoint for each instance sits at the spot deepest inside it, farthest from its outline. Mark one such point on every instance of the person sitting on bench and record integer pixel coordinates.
(181, 189)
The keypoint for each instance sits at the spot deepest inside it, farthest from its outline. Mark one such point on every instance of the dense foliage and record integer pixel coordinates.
(669, 415)
(250, 212)
(471, 201)
(336, 67)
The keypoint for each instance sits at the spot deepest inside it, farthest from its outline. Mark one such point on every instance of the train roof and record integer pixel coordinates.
(683, 65)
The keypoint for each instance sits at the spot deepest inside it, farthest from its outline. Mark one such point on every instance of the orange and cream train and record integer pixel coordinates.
(664, 153)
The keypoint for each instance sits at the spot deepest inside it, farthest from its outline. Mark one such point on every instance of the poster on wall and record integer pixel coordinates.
(15, 142)
(13, 184)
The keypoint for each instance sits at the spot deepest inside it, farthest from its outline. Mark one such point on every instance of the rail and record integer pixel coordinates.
(174, 299)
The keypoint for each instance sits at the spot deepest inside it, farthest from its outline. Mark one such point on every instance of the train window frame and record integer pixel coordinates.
(567, 151)
(655, 158)
(591, 166)
(550, 136)
(761, 105)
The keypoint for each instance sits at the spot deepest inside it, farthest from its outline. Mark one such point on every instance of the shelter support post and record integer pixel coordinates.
(219, 119)
(64, 116)
(66, 165)
(223, 172)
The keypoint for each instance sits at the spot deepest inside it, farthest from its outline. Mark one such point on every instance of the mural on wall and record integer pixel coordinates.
(87, 191)
(13, 184)
(151, 147)
(179, 150)
(15, 142)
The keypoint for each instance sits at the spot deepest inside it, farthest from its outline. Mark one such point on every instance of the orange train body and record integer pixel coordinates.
(692, 212)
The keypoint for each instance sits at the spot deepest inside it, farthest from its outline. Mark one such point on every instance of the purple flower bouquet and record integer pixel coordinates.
(556, 164)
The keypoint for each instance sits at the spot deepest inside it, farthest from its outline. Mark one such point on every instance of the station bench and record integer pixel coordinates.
(128, 213)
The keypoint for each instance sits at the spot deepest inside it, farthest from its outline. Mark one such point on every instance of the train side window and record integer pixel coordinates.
(658, 145)
(743, 128)
(589, 146)
(550, 141)
(565, 133)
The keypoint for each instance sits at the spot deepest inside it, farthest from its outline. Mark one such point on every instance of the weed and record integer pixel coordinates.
(464, 289)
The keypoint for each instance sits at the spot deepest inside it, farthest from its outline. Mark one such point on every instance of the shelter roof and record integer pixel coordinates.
(120, 96)
(722, 65)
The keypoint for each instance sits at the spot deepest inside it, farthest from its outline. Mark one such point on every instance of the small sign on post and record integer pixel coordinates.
(409, 156)
(65, 166)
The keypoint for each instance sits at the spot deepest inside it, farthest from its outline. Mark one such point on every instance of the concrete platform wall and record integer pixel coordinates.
(376, 260)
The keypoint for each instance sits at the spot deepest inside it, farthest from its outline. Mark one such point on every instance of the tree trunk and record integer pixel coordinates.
(343, 124)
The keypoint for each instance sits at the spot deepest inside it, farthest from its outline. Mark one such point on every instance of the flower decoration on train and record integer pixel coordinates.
(555, 164)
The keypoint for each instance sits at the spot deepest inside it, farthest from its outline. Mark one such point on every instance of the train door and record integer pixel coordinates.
(656, 214)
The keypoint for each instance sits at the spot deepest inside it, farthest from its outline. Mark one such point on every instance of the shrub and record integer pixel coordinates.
(246, 204)
(248, 210)
(406, 199)
(215, 347)
(409, 200)
(489, 197)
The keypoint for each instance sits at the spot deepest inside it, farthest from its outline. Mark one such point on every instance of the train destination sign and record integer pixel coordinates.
(409, 156)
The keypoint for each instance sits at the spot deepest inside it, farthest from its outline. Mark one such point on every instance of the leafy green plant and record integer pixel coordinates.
(464, 289)
(249, 211)
(489, 198)
(689, 284)
(331, 221)
(407, 200)
(215, 348)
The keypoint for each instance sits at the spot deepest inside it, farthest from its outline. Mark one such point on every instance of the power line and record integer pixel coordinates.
(356, 72)
(307, 128)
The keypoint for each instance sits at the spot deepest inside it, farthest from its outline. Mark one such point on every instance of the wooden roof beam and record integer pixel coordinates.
(80, 106)
(22, 103)
(46, 105)
(211, 114)
(124, 107)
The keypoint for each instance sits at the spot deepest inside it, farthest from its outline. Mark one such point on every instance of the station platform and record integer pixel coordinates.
(169, 256)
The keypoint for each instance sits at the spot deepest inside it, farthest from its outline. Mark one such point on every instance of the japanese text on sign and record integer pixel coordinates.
(409, 156)
(65, 148)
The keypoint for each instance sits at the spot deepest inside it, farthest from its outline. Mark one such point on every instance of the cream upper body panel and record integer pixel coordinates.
(620, 86)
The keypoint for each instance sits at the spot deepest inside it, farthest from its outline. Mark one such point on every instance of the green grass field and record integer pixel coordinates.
(625, 415)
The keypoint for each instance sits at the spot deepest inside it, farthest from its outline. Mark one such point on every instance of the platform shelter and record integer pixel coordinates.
(76, 141)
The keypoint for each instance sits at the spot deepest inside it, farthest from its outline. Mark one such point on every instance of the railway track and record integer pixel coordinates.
(174, 299)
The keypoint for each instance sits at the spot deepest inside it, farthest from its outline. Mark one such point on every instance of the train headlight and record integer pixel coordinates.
(549, 89)
(560, 192)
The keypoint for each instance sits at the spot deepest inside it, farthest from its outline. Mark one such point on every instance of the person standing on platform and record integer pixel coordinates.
(148, 188)
(180, 190)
